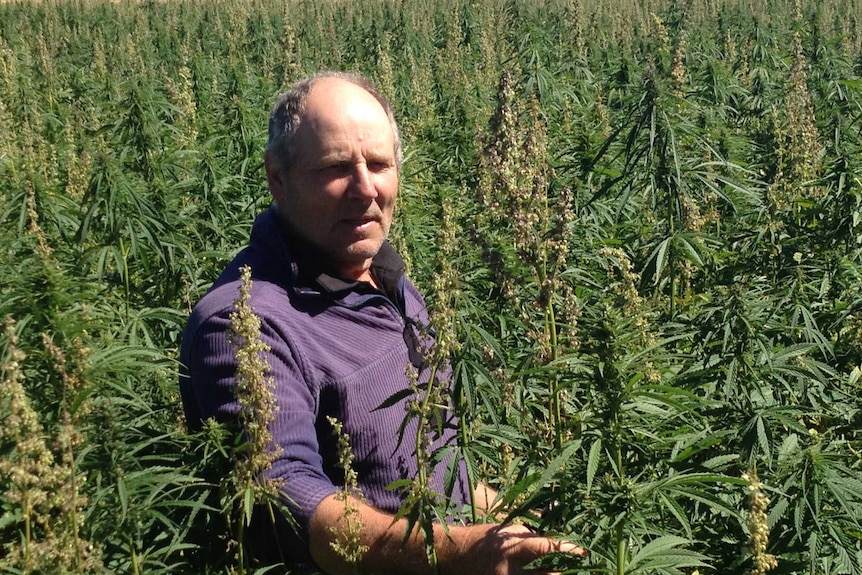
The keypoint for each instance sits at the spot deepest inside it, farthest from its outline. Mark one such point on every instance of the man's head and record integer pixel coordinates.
(286, 115)
(332, 167)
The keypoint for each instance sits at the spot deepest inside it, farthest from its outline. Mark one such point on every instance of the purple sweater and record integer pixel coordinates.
(338, 349)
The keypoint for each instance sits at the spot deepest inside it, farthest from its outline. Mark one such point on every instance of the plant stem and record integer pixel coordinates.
(126, 282)
(556, 411)
(28, 535)
(136, 568)
(471, 483)
(422, 467)
(240, 547)
(621, 548)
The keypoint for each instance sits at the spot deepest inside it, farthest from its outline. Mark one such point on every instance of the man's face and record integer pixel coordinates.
(340, 193)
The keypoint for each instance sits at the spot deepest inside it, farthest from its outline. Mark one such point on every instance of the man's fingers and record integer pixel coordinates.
(539, 545)
(533, 546)
(522, 545)
(567, 547)
(557, 546)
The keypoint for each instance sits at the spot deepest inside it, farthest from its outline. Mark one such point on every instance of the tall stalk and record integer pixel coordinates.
(426, 409)
(554, 378)
(620, 535)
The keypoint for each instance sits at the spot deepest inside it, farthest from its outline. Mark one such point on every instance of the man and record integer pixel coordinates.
(335, 310)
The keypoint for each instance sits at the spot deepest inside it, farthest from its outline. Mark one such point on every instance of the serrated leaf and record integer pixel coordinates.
(664, 552)
(593, 462)
(394, 399)
(248, 505)
(789, 446)
(558, 462)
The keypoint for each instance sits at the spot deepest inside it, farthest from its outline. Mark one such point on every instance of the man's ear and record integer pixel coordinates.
(274, 176)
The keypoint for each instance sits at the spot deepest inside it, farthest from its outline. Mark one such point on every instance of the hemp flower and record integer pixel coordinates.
(253, 390)
(678, 72)
(758, 526)
(33, 226)
(45, 495)
(348, 543)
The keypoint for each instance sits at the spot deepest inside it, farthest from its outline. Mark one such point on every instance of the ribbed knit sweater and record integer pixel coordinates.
(337, 348)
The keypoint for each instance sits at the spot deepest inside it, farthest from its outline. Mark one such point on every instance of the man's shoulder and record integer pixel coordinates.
(412, 295)
(220, 298)
(223, 296)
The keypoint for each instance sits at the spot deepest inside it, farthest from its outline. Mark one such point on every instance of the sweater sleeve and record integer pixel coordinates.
(210, 364)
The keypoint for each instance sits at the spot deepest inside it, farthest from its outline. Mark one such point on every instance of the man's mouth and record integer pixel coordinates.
(361, 224)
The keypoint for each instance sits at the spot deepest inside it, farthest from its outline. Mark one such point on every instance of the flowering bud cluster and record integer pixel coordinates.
(758, 526)
(348, 540)
(253, 389)
(44, 495)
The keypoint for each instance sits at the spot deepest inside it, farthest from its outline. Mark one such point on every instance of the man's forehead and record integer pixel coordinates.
(338, 108)
(333, 90)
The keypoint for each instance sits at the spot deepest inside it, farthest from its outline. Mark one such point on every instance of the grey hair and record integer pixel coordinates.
(289, 108)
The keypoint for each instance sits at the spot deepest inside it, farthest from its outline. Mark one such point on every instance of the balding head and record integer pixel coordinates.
(289, 109)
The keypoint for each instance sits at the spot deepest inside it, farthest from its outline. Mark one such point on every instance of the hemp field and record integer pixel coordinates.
(638, 224)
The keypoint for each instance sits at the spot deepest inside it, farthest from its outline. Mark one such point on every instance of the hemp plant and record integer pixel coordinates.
(425, 408)
(429, 404)
(45, 507)
(348, 542)
(524, 225)
(248, 485)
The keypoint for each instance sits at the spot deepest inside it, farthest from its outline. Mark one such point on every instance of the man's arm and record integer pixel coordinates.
(472, 550)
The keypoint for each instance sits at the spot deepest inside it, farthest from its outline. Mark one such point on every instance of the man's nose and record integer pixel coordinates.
(362, 184)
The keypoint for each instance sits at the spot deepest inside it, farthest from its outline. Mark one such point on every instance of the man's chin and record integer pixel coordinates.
(364, 249)
(357, 256)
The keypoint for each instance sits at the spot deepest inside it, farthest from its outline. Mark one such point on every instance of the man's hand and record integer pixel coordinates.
(497, 550)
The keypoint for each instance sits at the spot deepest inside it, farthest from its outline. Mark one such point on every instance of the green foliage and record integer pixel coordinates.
(641, 221)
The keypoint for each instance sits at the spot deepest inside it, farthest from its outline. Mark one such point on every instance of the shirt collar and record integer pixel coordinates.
(387, 266)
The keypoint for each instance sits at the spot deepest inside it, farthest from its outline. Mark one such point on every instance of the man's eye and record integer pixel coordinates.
(338, 168)
(379, 166)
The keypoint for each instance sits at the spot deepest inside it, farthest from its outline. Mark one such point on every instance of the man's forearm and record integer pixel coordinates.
(387, 549)
(472, 550)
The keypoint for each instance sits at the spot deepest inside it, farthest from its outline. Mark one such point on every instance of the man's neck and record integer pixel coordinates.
(361, 275)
